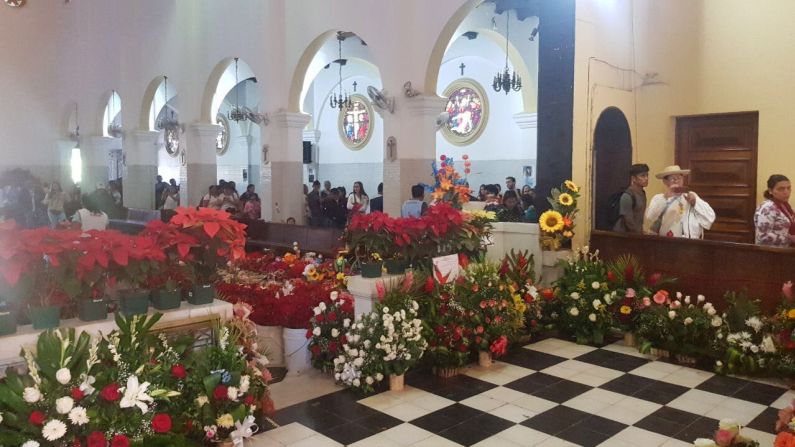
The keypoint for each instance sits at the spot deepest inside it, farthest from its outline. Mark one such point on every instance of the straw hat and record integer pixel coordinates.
(671, 170)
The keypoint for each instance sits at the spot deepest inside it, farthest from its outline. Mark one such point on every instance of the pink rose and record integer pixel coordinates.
(786, 289)
(660, 297)
(646, 301)
(676, 304)
(724, 438)
(630, 293)
(242, 310)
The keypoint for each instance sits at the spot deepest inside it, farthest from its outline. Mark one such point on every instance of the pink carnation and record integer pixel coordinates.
(630, 293)
(646, 301)
(724, 438)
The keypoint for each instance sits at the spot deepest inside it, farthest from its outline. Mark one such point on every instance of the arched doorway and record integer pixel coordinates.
(612, 152)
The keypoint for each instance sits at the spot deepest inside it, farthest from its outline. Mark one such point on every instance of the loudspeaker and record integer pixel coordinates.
(307, 152)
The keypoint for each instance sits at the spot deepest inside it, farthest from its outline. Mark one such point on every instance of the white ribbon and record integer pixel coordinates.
(246, 429)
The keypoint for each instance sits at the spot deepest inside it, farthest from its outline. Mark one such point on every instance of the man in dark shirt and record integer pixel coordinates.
(315, 206)
(377, 204)
(160, 186)
(632, 205)
(248, 195)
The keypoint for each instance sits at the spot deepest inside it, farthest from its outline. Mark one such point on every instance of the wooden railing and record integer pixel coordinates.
(706, 267)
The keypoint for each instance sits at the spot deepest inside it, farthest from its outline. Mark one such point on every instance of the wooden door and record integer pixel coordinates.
(612, 152)
(720, 151)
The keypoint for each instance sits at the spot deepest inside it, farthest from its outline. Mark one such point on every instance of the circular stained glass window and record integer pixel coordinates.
(222, 139)
(467, 107)
(355, 122)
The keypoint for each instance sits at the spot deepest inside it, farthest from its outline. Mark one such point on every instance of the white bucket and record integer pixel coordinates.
(271, 341)
(296, 351)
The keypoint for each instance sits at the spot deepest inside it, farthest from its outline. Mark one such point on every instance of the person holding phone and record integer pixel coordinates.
(678, 212)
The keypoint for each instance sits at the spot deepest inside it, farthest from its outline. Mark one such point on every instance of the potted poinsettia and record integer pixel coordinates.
(144, 260)
(218, 239)
(368, 237)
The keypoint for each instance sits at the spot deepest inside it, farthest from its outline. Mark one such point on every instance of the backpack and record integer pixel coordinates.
(614, 207)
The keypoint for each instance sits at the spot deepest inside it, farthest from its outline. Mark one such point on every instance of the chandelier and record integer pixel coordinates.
(340, 101)
(237, 113)
(114, 128)
(169, 120)
(506, 81)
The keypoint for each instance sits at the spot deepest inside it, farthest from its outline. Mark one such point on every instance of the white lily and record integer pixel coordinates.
(135, 395)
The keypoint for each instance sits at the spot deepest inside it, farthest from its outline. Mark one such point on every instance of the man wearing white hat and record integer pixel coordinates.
(678, 212)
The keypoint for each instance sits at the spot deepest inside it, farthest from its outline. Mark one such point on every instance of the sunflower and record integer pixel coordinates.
(571, 186)
(551, 221)
(565, 199)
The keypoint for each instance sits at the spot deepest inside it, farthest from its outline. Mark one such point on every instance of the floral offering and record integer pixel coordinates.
(727, 435)
(327, 329)
(450, 187)
(557, 223)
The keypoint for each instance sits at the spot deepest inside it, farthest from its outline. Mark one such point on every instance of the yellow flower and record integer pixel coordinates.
(551, 221)
(519, 304)
(565, 199)
(225, 421)
(571, 186)
(791, 314)
(340, 276)
(626, 310)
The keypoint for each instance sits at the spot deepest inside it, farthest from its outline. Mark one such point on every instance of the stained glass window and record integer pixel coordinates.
(355, 122)
(467, 108)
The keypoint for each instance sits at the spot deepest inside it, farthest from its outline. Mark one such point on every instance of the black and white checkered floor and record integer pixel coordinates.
(550, 393)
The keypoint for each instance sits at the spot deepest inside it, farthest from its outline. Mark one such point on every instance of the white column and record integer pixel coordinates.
(414, 127)
(199, 162)
(528, 134)
(140, 161)
(281, 171)
(95, 154)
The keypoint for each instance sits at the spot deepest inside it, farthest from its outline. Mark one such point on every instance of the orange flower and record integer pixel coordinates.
(784, 439)
(567, 222)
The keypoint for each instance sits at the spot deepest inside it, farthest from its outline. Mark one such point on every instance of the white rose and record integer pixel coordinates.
(63, 376)
(575, 295)
(358, 361)
(202, 401)
(316, 331)
(78, 416)
(754, 349)
(1, 418)
(379, 377)
(31, 395)
(356, 382)
(335, 332)
(64, 405)
(711, 311)
(346, 322)
(671, 314)
(31, 444)
(592, 317)
(316, 311)
(408, 356)
(322, 306)
(245, 383)
(718, 363)
(385, 310)
(369, 380)
(688, 320)
(596, 303)
(574, 311)
(231, 393)
(596, 285)
(337, 376)
(687, 299)
(716, 321)
(768, 345)
(700, 298)
(334, 295)
(679, 295)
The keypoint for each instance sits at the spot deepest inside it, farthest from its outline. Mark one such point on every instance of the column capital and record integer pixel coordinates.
(142, 136)
(203, 129)
(312, 135)
(426, 105)
(526, 120)
(100, 141)
(289, 119)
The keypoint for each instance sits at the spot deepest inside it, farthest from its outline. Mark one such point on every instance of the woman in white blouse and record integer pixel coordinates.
(358, 199)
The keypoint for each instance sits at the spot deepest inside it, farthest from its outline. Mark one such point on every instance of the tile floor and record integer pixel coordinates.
(549, 393)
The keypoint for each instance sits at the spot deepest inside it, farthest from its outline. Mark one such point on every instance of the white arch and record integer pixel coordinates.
(111, 111)
(154, 100)
(220, 83)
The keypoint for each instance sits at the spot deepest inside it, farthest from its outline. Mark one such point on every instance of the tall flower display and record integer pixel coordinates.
(557, 223)
(449, 185)
(327, 329)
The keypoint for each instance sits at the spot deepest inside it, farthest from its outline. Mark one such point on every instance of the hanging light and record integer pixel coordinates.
(340, 101)
(169, 119)
(507, 81)
(237, 113)
(114, 128)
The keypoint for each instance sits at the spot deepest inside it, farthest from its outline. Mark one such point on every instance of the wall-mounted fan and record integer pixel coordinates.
(380, 99)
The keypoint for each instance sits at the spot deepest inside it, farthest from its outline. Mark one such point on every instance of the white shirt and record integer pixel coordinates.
(90, 221)
(170, 203)
(364, 202)
(679, 219)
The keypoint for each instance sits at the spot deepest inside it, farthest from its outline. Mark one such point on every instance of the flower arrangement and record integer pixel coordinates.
(557, 223)
(494, 311)
(357, 365)
(584, 298)
(635, 290)
(450, 187)
(785, 426)
(743, 343)
(327, 329)
(727, 435)
(449, 338)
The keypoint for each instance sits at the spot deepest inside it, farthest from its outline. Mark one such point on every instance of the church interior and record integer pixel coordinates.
(577, 210)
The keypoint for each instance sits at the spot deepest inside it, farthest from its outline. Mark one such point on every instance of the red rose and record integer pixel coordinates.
(315, 349)
(248, 400)
(119, 441)
(110, 392)
(309, 333)
(161, 423)
(220, 392)
(332, 347)
(178, 371)
(77, 394)
(36, 418)
(611, 276)
(548, 294)
(320, 318)
(332, 316)
(96, 439)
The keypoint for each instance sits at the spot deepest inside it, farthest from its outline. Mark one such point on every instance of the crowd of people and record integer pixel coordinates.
(681, 212)
(224, 196)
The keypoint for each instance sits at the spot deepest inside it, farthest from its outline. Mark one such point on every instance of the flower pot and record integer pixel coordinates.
(45, 317)
(484, 359)
(395, 266)
(446, 373)
(629, 340)
(201, 294)
(396, 382)
(166, 299)
(296, 351)
(371, 269)
(134, 302)
(271, 340)
(8, 323)
(225, 443)
(92, 310)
